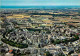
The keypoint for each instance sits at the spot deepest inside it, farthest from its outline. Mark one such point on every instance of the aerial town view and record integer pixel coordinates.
(39, 30)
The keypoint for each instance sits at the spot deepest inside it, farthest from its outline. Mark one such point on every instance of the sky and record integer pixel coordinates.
(38, 2)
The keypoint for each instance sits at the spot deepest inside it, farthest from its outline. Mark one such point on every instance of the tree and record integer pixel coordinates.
(48, 54)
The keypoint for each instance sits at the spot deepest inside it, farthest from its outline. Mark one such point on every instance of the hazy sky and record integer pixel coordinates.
(38, 2)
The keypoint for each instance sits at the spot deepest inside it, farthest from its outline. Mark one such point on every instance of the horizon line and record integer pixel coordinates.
(40, 5)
